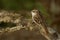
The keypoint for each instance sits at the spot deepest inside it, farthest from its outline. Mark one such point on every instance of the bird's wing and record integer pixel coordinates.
(37, 20)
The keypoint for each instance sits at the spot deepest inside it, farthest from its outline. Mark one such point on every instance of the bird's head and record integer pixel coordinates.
(34, 12)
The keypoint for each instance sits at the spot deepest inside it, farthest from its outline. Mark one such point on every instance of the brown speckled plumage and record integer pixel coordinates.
(39, 20)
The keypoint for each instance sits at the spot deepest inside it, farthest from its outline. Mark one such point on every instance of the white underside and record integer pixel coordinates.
(33, 14)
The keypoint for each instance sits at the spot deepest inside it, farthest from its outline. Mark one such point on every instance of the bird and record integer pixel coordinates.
(46, 31)
(38, 19)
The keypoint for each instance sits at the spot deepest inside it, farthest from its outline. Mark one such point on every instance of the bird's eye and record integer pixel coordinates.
(33, 11)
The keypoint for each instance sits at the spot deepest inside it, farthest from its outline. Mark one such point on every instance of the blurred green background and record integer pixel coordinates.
(17, 4)
(20, 4)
